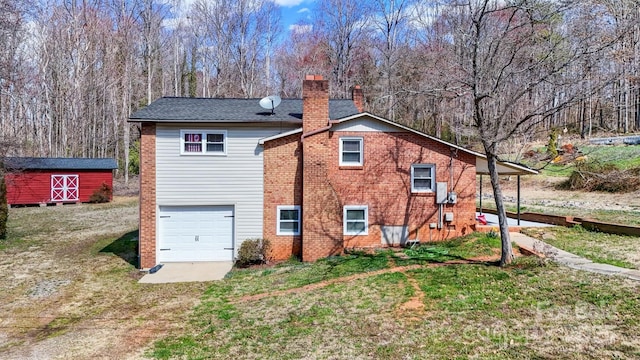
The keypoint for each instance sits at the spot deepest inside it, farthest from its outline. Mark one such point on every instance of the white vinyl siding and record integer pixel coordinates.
(351, 151)
(356, 220)
(423, 177)
(288, 220)
(235, 179)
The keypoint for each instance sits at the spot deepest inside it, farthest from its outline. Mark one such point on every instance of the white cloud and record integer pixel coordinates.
(300, 29)
(288, 3)
(303, 10)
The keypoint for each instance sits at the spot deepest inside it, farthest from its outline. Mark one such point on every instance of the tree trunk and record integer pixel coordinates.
(507, 251)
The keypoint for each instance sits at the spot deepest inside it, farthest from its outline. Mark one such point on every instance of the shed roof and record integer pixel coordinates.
(42, 163)
(179, 109)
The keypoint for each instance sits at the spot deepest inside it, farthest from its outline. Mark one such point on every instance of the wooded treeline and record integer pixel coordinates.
(71, 71)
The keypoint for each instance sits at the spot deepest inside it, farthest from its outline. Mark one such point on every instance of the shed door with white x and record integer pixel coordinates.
(64, 187)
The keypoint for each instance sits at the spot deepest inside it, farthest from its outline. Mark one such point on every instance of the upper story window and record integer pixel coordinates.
(351, 151)
(423, 177)
(203, 142)
(288, 220)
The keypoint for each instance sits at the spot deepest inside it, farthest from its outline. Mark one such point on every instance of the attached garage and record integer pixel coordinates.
(195, 233)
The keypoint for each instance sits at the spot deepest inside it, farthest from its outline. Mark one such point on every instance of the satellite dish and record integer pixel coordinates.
(270, 102)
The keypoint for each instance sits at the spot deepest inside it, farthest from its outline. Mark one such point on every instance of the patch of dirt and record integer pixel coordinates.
(65, 295)
(541, 191)
(416, 303)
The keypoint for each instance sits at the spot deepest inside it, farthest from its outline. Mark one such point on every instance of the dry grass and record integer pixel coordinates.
(70, 290)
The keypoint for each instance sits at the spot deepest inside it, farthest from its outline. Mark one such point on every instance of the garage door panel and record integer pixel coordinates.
(196, 233)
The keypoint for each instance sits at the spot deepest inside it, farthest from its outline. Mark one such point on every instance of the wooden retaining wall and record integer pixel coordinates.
(568, 221)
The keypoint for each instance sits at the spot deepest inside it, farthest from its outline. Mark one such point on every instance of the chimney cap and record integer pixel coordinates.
(313, 77)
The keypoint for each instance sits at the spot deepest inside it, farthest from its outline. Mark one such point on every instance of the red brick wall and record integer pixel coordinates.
(322, 209)
(384, 185)
(282, 186)
(147, 196)
(315, 103)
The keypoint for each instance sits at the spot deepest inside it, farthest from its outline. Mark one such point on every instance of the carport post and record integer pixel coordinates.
(518, 200)
(480, 194)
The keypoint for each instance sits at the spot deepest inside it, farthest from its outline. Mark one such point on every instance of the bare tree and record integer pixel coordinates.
(513, 58)
(342, 24)
(390, 20)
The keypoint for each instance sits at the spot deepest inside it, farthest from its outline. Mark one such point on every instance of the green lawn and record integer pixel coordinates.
(349, 308)
(603, 248)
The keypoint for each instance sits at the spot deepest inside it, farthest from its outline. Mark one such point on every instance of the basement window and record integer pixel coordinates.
(288, 220)
(203, 142)
(356, 220)
(351, 153)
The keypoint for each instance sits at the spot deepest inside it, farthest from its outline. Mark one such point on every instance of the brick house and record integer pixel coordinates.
(317, 177)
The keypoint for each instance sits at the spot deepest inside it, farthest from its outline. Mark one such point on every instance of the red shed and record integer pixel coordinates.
(55, 180)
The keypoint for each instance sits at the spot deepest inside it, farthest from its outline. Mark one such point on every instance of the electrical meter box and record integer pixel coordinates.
(441, 193)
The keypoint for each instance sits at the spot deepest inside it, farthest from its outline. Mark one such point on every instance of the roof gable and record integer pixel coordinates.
(504, 167)
(178, 109)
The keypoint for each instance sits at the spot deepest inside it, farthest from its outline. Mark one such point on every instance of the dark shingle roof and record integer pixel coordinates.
(174, 109)
(35, 163)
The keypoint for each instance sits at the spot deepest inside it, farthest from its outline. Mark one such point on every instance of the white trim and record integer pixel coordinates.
(278, 136)
(432, 167)
(360, 139)
(366, 219)
(203, 142)
(299, 221)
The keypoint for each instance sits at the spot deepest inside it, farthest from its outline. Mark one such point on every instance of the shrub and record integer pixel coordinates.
(552, 145)
(253, 251)
(101, 194)
(134, 158)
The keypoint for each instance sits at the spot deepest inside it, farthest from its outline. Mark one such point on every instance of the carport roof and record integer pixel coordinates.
(504, 168)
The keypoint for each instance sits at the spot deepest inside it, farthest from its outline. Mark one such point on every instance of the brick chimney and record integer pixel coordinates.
(358, 98)
(315, 103)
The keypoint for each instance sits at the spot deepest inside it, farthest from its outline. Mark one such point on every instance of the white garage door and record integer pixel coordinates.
(196, 233)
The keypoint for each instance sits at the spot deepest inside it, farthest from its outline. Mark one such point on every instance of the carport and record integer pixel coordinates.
(504, 168)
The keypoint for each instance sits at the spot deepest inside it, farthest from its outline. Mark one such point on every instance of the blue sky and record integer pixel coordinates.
(293, 11)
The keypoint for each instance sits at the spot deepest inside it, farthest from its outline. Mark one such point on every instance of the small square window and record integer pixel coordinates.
(422, 177)
(351, 153)
(356, 220)
(288, 220)
(192, 142)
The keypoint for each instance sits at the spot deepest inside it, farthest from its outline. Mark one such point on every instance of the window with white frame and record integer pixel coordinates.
(351, 151)
(356, 220)
(207, 142)
(288, 220)
(423, 177)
